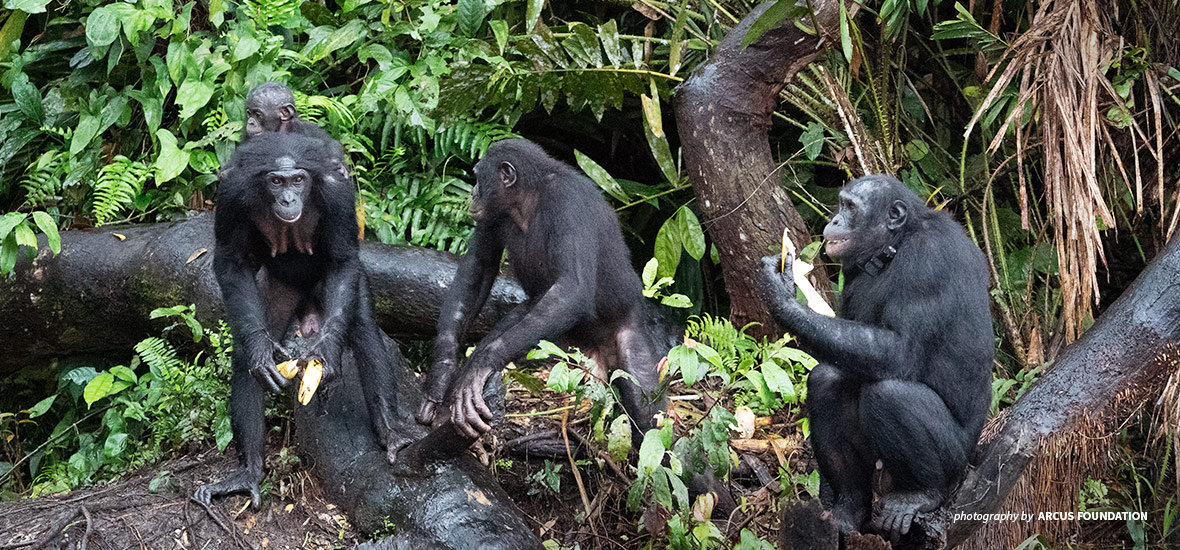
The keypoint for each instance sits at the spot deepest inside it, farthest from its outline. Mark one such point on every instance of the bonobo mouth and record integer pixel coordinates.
(475, 211)
(289, 219)
(836, 247)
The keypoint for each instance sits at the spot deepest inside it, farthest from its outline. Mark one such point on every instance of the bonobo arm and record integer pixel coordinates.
(465, 298)
(236, 271)
(568, 301)
(341, 280)
(861, 350)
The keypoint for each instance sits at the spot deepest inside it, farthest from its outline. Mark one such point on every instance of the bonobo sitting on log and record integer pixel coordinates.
(567, 250)
(287, 253)
(904, 374)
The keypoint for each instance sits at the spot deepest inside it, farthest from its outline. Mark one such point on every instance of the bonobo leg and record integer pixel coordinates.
(922, 446)
(643, 398)
(374, 363)
(247, 416)
(841, 446)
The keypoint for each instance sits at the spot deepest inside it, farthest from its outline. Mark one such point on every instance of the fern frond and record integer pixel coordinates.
(160, 356)
(118, 184)
(43, 178)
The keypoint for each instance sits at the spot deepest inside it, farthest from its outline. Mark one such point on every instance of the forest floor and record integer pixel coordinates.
(150, 508)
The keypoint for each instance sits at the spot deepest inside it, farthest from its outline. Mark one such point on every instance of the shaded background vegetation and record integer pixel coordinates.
(1048, 128)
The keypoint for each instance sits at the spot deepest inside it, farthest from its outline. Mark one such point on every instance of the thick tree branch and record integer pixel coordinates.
(723, 114)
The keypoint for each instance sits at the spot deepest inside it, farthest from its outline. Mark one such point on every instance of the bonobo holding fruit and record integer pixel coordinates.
(287, 258)
(904, 373)
(567, 250)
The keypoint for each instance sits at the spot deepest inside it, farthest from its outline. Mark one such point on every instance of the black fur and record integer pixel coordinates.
(904, 374)
(566, 248)
(307, 273)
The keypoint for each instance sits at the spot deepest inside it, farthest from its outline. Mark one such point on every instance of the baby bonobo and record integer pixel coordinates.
(286, 245)
(904, 373)
(567, 250)
(270, 107)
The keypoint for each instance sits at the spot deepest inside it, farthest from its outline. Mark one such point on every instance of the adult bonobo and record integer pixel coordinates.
(904, 373)
(566, 248)
(287, 252)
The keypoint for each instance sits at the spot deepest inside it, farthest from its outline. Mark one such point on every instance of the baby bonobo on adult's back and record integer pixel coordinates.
(286, 252)
(904, 374)
(567, 250)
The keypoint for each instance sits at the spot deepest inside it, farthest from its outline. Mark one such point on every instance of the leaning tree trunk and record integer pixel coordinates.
(114, 277)
(723, 114)
(96, 295)
(1036, 454)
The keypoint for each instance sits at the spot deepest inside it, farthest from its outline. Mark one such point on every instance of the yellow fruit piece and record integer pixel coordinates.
(288, 368)
(311, 380)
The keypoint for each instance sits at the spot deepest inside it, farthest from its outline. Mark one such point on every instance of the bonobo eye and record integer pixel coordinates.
(298, 179)
(276, 181)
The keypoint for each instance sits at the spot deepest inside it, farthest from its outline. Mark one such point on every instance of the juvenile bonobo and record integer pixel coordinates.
(270, 107)
(566, 248)
(904, 373)
(286, 236)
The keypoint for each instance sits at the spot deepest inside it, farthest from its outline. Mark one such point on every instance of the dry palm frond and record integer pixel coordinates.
(1061, 62)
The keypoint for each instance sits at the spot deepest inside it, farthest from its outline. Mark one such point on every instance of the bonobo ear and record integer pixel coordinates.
(286, 112)
(507, 174)
(897, 214)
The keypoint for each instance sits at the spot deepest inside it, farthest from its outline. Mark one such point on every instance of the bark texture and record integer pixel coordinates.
(723, 114)
(96, 295)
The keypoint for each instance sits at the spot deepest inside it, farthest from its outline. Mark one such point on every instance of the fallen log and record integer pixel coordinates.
(112, 278)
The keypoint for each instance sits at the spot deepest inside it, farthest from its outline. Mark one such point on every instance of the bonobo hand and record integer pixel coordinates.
(469, 413)
(775, 282)
(264, 364)
(437, 384)
(397, 438)
(328, 348)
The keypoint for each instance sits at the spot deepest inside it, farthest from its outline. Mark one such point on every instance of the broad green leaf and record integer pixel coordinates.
(45, 223)
(653, 129)
(224, 432)
(709, 354)
(668, 248)
(9, 221)
(247, 46)
(84, 133)
(98, 387)
(649, 272)
(619, 441)
(28, 99)
(691, 233)
(25, 236)
(609, 34)
(8, 252)
(192, 95)
(587, 45)
(42, 406)
(123, 373)
(845, 34)
(813, 140)
(172, 160)
(675, 43)
(27, 6)
(651, 452)
(532, 14)
(500, 30)
(116, 445)
(676, 300)
(777, 380)
(601, 177)
(470, 15)
(102, 27)
(768, 398)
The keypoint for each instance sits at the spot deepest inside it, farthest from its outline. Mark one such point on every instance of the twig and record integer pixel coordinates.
(565, 416)
(89, 527)
(528, 438)
(217, 519)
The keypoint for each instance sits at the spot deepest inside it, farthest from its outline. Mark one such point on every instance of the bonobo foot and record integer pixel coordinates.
(245, 479)
(899, 508)
(396, 437)
(848, 516)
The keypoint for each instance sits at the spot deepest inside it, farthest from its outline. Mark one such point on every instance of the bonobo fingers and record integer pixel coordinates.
(426, 411)
(242, 480)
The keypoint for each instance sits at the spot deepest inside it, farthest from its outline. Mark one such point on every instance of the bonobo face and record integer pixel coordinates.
(269, 106)
(865, 221)
(289, 187)
(493, 181)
